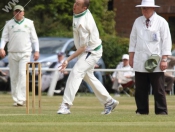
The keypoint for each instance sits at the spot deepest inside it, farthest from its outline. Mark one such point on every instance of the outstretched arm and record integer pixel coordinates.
(74, 55)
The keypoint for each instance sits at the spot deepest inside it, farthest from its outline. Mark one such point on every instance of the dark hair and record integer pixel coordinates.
(86, 3)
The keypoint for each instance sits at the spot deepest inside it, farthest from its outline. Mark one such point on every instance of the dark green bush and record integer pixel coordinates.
(113, 49)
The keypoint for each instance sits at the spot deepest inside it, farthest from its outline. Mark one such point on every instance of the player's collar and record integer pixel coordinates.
(80, 14)
(19, 22)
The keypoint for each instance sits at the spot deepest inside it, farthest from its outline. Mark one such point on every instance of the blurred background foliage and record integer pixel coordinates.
(54, 18)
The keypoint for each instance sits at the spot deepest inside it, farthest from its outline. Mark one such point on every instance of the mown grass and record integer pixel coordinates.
(85, 116)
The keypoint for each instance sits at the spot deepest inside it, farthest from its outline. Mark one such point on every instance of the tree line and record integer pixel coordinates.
(54, 18)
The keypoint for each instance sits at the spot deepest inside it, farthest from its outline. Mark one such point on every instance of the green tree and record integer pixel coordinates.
(54, 18)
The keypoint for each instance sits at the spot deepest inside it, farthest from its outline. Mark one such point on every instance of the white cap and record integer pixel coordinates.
(18, 7)
(125, 56)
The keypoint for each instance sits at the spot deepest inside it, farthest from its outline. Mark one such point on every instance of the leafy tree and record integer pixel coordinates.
(54, 18)
(114, 48)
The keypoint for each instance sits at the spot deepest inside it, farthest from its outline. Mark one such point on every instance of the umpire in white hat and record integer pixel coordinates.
(150, 35)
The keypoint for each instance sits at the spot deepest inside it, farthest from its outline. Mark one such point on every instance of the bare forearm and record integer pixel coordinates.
(77, 53)
(131, 58)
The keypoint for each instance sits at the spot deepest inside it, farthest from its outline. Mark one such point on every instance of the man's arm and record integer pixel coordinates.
(34, 40)
(131, 58)
(4, 40)
(74, 55)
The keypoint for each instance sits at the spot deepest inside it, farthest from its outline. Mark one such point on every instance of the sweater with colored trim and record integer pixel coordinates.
(20, 36)
(85, 31)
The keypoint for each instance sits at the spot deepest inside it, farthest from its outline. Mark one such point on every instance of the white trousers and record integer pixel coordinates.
(46, 79)
(115, 85)
(51, 81)
(83, 69)
(17, 66)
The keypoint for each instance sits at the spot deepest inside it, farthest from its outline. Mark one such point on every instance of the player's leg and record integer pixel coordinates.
(78, 72)
(101, 92)
(13, 66)
(21, 93)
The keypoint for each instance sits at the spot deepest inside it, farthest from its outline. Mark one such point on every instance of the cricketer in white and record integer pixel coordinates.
(89, 50)
(20, 34)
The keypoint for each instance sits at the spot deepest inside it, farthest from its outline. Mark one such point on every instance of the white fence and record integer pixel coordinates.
(69, 69)
(105, 70)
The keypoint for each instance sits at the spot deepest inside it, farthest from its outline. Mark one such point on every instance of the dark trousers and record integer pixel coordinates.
(143, 82)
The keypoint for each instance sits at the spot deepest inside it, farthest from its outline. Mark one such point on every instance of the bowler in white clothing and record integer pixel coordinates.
(89, 50)
(20, 34)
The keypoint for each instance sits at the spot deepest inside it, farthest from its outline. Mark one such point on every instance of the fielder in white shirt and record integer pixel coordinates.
(20, 34)
(89, 51)
(150, 35)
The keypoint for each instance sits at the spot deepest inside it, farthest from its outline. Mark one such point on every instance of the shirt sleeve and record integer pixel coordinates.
(34, 37)
(84, 36)
(5, 37)
(133, 39)
(166, 39)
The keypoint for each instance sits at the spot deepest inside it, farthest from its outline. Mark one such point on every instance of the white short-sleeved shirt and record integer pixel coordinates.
(156, 39)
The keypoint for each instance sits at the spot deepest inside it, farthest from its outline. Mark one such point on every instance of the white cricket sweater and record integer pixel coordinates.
(20, 36)
(85, 31)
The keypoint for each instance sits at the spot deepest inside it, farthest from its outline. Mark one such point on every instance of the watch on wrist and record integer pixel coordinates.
(164, 60)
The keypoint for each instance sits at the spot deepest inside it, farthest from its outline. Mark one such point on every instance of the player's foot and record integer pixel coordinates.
(20, 103)
(110, 106)
(57, 91)
(64, 109)
(15, 104)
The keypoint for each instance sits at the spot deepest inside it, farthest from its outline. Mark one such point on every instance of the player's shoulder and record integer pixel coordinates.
(9, 21)
(28, 20)
(88, 13)
(140, 18)
(160, 18)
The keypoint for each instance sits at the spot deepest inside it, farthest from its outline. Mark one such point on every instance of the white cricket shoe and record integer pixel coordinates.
(14, 104)
(64, 109)
(19, 103)
(110, 106)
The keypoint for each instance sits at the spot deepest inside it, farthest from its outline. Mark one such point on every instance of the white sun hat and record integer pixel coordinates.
(125, 56)
(147, 3)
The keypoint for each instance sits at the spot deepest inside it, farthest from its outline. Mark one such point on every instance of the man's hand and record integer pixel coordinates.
(63, 66)
(36, 55)
(163, 65)
(2, 53)
(128, 76)
(97, 66)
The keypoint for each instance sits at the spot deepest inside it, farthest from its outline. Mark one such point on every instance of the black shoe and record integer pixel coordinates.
(162, 113)
(138, 113)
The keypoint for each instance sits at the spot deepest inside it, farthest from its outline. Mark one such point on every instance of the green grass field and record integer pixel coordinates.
(85, 116)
